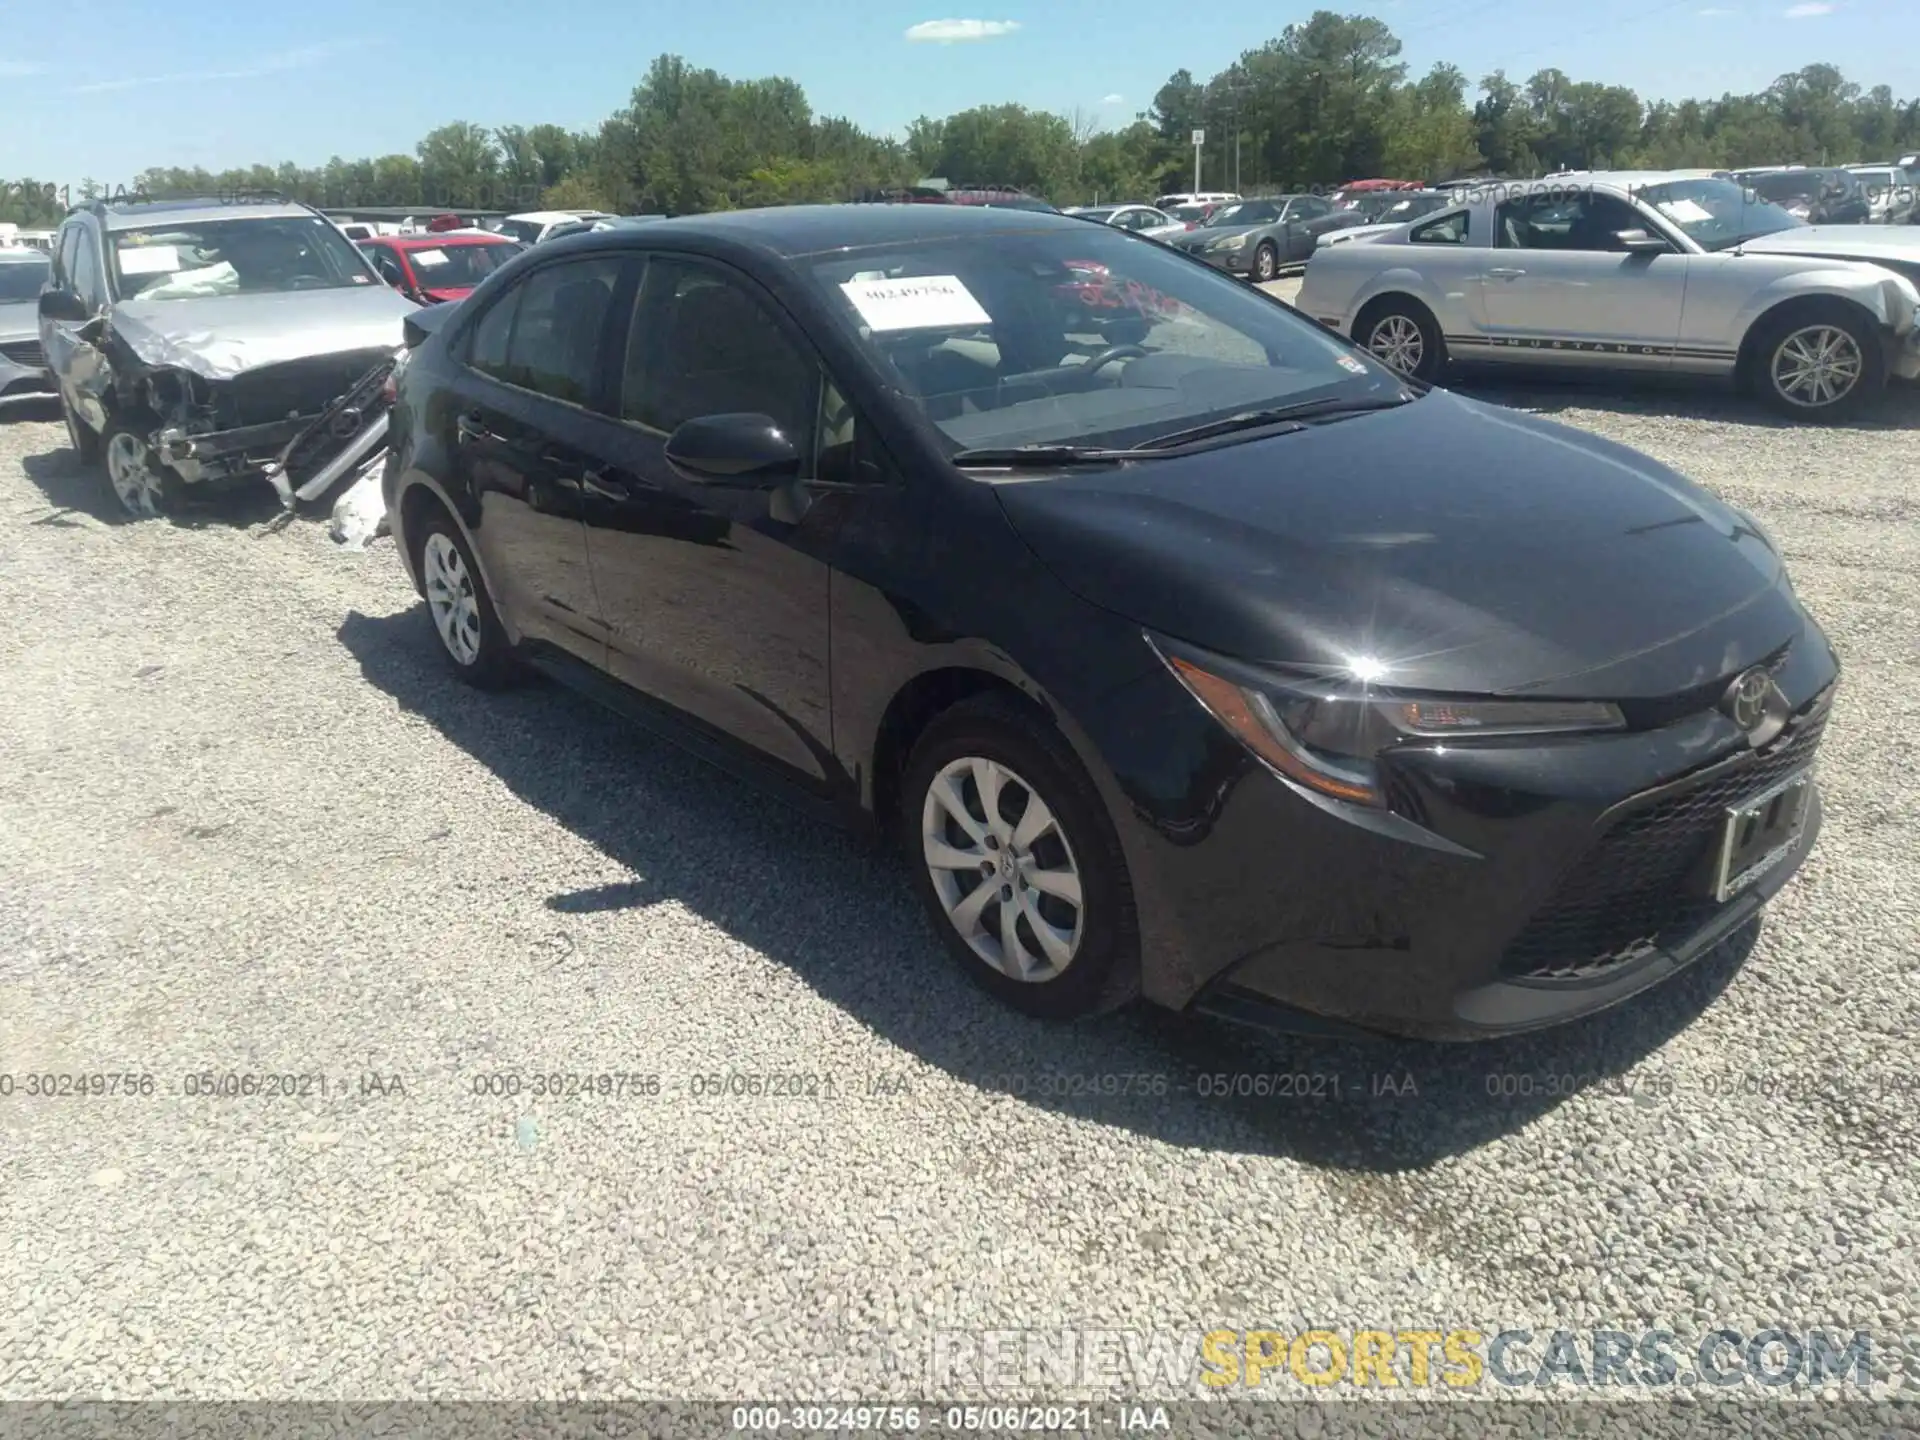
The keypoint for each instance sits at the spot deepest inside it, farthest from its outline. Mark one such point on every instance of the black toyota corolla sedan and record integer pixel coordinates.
(1187, 652)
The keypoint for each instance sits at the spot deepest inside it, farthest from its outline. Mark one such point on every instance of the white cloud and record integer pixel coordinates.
(1113, 99)
(1715, 12)
(1807, 12)
(266, 65)
(946, 31)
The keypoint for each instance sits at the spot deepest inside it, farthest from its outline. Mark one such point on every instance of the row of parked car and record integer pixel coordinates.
(962, 523)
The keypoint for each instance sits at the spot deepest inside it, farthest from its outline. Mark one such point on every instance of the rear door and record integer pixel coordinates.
(526, 407)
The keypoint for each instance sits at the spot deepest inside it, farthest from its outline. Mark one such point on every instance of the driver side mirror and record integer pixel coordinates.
(745, 451)
(63, 304)
(1639, 242)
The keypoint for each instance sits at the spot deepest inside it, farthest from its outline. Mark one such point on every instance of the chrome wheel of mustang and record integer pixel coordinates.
(135, 477)
(450, 598)
(1396, 342)
(1817, 366)
(1002, 869)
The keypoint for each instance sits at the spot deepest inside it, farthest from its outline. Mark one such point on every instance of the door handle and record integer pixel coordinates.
(1505, 273)
(468, 427)
(595, 482)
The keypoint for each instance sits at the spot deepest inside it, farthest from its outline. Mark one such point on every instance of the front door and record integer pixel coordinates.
(1557, 288)
(520, 428)
(716, 598)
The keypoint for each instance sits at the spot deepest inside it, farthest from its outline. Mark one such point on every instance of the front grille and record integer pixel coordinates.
(298, 387)
(25, 352)
(1639, 886)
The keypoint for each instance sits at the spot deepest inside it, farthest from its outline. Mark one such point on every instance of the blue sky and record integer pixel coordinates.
(227, 85)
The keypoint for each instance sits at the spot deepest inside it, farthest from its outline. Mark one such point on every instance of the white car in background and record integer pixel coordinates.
(1891, 198)
(1140, 219)
(1644, 271)
(1196, 197)
(533, 226)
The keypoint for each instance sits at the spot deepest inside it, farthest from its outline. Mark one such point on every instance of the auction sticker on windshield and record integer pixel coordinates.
(149, 260)
(1687, 212)
(917, 302)
(429, 257)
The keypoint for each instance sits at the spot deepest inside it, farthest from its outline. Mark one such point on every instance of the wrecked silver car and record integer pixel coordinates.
(23, 370)
(192, 342)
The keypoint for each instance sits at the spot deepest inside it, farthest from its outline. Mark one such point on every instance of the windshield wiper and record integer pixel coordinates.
(1274, 415)
(1048, 455)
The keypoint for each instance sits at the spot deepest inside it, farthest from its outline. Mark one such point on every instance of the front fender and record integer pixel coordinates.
(1889, 298)
(413, 479)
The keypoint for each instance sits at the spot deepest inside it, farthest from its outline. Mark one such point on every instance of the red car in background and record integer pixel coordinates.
(443, 266)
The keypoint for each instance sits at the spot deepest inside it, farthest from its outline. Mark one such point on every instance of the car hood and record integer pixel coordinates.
(1206, 234)
(1471, 549)
(220, 336)
(19, 320)
(1846, 242)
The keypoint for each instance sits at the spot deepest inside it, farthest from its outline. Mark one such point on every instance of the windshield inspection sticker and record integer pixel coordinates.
(918, 302)
(1347, 362)
(428, 257)
(149, 260)
(1687, 212)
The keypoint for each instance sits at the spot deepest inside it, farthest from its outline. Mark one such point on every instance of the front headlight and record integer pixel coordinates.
(1229, 242)
(1327, 734)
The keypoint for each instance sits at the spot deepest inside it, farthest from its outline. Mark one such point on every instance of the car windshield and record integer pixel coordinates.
(1413, 207)
(460, 267)
(525, 231)
(1799, 185)
(265, 255)
(1190, 214)
(1104, 213)
(1716, 214)
(1246, 212)
(1081, 338)
(22, 279)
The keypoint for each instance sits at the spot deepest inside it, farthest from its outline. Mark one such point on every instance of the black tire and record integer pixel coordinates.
(1380, 325)
(491, 665)
(161, 495)
(1266, 262)
(1103, 970)
(1767, 360)
(84, 439)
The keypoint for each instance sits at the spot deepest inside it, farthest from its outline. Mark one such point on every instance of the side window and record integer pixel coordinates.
(1313, 207)
(703, 344)
(1565, 222)
(487, 346)
(1446, 230)
(558, 325)
(69, 245)
(86, 273)
(385, 263)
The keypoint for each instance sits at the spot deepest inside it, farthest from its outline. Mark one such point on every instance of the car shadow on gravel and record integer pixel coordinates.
(1670, 397)
(836, 909)
(73, 488)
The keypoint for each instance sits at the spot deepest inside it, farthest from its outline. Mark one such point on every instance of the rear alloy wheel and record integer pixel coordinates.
(1821, 367)
(463, 614)
(1266, 262)
(1017, 862)
(1402, 338)
(145, 491)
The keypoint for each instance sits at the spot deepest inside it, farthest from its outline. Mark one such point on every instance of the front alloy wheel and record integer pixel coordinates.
(1817, 366)
(137, 481)
(1266, 262)
(1396, 342)
(1003, 869)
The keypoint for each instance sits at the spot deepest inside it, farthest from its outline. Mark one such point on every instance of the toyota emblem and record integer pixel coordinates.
(1746, 699)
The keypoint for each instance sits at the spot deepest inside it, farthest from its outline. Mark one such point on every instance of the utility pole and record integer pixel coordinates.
(1199, 139)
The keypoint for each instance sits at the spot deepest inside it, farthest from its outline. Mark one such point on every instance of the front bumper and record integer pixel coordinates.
(225, 454)
(1903, 354)
(23, 370)
(1233, 262)
(1515, 885)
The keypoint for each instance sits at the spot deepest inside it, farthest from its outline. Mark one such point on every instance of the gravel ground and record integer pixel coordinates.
(248, 827)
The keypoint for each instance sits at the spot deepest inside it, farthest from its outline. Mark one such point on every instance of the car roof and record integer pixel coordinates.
(12, 253)
(793, 231)
(1621, 179)
(553, 217)
(145, 214)
(435, 238)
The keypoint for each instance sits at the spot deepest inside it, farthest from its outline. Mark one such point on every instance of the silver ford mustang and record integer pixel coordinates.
(1683, 273)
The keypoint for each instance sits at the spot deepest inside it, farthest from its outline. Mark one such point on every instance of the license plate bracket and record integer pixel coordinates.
(1760, 832)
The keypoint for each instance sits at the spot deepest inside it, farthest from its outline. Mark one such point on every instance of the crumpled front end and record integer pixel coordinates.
(213, 430)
